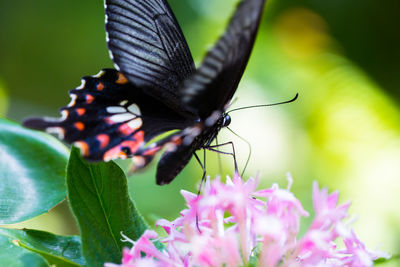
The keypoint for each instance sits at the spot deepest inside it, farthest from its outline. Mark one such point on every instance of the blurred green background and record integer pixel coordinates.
(341, 56)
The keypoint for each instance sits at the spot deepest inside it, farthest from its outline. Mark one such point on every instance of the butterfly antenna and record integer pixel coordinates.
(266, 105)
(248, 144)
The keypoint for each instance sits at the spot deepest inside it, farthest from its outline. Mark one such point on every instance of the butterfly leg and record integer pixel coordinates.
(203, 166)
(248, 145)
(233, 153)
(219, 156)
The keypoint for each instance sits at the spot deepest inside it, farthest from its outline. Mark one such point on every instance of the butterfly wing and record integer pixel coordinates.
(148, 47)
(213, 85)
(173, 161)
(110, 118)
(216, 80)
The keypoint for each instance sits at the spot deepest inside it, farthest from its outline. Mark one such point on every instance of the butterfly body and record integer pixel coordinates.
(155, 88)
(196, 137)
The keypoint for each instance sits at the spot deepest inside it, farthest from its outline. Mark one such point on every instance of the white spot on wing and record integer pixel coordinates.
(116, 109)
(124, 102)
(51, 119)
(188, 140)
(135, 124)
(139, 161)
(170, 147)
(191, 133)
(213, 118)
(83, 84)
(122, 117)
(98, 75)
(73, 100)
(64, 115)
(107, 38)
(109, 51)
(56, 130)
(134, 109)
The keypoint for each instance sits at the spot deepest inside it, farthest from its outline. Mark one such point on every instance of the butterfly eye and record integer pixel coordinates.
(227, 121)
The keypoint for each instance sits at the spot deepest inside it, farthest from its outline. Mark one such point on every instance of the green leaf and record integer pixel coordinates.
(61, 251)
(3, 99)
(32, 172)
(99, 198)
(12, 255)
(393, 259)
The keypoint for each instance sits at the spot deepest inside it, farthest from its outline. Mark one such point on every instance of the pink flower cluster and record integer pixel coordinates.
(232, 224)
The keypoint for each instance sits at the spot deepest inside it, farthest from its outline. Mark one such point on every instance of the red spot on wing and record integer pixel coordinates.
(104, 140)
(177, 140)
(80, 111)
(79, 126)
(139, 136)
(133, 145)
(84, 147)
(100, 86)
(121, 79)
(152, 151)
(108, 121)
(114, 153)
(125, 129)
(89, 98)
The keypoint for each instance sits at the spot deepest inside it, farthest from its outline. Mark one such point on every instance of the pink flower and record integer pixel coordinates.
(231, 223)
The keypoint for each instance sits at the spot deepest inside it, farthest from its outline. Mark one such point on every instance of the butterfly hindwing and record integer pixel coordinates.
(172, 163)
(173, 160)
(217, 78)
(148, 47)
(179, 149)
(110, 118)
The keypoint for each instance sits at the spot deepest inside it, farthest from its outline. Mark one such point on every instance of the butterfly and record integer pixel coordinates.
(155, 88)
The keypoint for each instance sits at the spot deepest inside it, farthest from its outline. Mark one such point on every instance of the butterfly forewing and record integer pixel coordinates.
(110, 118)
(148, 47)
(118, 113)
(216, 80)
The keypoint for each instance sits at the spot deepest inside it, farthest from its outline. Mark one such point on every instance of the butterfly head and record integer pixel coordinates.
(226, 120)
(218, 119)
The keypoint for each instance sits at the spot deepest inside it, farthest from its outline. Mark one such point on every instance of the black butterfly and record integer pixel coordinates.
(156, 88)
